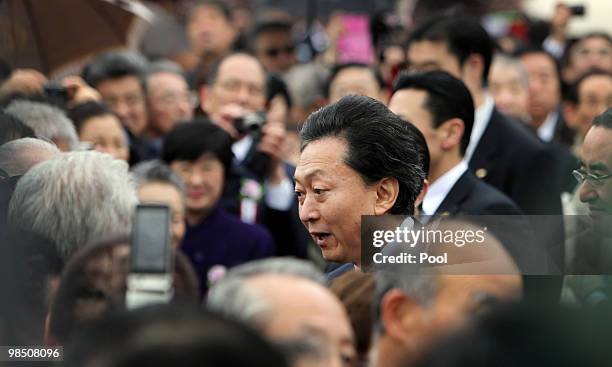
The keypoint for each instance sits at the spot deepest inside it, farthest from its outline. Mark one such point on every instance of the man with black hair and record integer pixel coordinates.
(591, 51)
(501, 152)
(118, 77)
(588, 97)
(355, 78)
(543, 102)
(273, 45)
(357, 158)
(200, 152)
(442, 108)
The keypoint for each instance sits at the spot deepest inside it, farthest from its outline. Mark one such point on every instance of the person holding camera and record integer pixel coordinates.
(259, 188)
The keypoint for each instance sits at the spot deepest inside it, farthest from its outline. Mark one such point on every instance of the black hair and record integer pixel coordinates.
(171, 335)
(572, 94)
(275, 25)
(221, 6)
(188, 141)
(447, 98)
(336, 69)
(12, 128)
(463, 35)
(275, 86)
(114, 65)
(80, 113)
(379, 144)
(604, 120)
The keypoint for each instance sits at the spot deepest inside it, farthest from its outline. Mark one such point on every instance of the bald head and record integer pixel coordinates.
(18, 156)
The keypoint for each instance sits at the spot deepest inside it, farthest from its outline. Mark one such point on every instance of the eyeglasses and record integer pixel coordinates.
(275, 51)
(594, 180)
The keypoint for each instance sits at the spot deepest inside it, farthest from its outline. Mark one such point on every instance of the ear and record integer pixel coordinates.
(387, 191)
(400, 315)
(452, 133)
(421, 197)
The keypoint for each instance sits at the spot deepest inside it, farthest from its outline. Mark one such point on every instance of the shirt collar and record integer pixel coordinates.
(241, 147)
(440, 188)
(546, 131)
(482, 115)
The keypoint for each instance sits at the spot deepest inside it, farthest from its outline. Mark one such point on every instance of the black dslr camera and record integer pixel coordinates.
(250, 123)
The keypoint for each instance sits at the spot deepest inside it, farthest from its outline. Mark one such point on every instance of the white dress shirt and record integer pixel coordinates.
(546, 131)
(440, 188)
(278, 197)
(482, 115)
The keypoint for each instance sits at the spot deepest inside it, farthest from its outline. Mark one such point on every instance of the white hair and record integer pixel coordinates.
(234, 297)
(47, 121)
(512, 62)
(74, 199)
(18, 156)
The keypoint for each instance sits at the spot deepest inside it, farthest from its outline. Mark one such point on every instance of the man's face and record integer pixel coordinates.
(594, 98)
(428, 56)
(125, 97)
(303, 311)
(204, 180)
(209, 31)
(597, 160)
(240, 80)
(544, 86)
(159, 192)
(332, 198)
(169, 101)
(354, 80)
(409, 105)
(592, 52)
(509, 90)
(276, 51)
(107, 135)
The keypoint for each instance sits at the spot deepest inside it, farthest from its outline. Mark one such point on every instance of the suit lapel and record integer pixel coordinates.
(457, 195)
(488, 147)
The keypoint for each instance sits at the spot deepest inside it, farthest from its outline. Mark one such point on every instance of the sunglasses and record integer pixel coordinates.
(276, 51)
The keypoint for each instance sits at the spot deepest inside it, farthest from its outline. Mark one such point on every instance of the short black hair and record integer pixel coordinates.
(604, 120)
(12, 128)
(114, 65)
(447, 98)
(572, 94)
(220, 5)
(463, 35)
(336, 69)
(275, 25)
(379, 144)
(80, 113)
(188, 141)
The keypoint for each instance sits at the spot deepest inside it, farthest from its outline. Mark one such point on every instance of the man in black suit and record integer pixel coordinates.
(501, 151)
(441, 107)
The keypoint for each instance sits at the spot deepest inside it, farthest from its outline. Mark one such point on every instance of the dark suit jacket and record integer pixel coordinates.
(520, 165)
(471, 196)
(289, 233)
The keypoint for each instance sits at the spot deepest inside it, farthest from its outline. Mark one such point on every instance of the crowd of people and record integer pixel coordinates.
(268, 160)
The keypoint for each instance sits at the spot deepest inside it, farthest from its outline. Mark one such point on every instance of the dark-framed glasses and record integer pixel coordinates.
(594, 180)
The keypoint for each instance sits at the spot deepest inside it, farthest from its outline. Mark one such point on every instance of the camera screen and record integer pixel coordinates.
(150, 242)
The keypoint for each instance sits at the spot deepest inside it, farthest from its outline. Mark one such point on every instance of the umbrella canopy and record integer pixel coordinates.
(47, 34)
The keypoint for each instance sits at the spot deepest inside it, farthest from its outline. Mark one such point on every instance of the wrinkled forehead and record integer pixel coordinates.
(597, 147)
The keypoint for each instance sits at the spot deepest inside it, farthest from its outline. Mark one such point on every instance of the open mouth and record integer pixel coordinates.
(320, 237)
